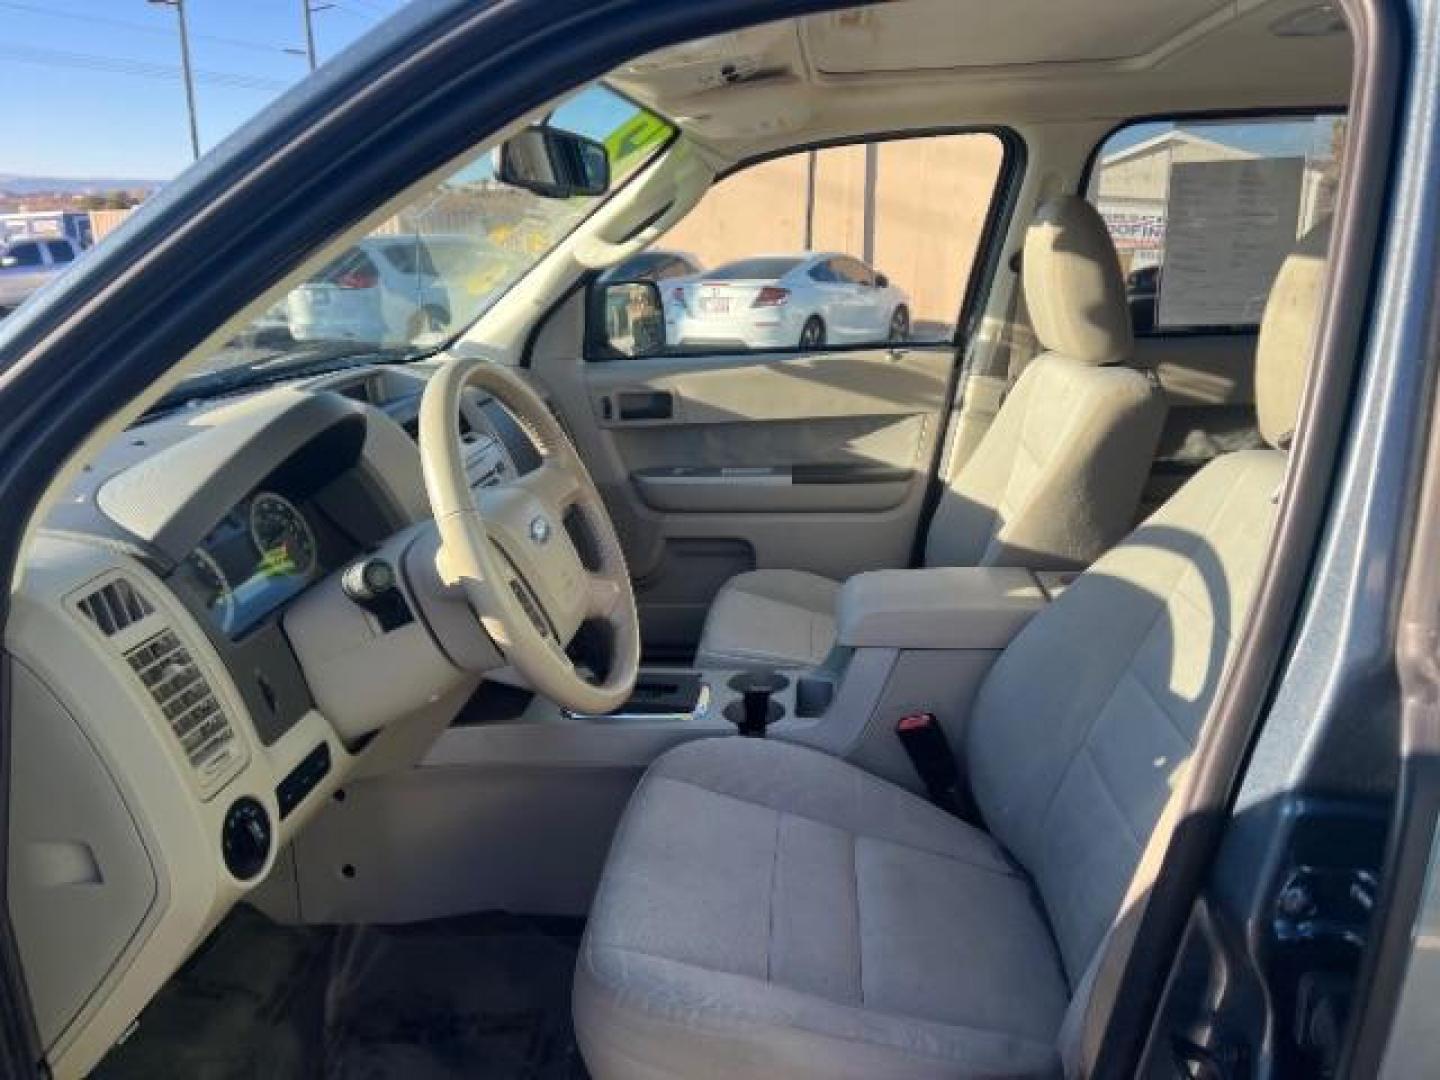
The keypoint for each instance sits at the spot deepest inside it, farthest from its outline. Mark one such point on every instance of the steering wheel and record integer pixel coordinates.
(511, 551)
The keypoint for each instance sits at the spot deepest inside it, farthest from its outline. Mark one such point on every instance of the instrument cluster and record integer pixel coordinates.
(261, 554)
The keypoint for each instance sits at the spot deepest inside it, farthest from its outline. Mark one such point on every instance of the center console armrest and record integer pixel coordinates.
(964, 607)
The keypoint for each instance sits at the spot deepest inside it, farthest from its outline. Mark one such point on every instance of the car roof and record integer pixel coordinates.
(913, 65)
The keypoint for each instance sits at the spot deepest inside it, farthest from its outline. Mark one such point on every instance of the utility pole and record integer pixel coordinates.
(186, 73)
(872, 177)
(810, 164)
(308, 8)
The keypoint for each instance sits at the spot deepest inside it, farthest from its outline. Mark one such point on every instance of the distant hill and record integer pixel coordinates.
(19, 184)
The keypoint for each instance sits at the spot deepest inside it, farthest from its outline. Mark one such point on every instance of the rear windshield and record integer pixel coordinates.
(746, 269)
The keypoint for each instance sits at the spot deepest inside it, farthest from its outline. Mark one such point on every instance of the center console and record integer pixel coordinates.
(909, 642)
(918, 643)
(750, 701)
(942, 608)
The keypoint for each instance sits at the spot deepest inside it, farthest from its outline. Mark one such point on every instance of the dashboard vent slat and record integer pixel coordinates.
(114, 606)
(178, 686)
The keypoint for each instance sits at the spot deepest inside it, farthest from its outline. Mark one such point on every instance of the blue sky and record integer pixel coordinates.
(92, 87)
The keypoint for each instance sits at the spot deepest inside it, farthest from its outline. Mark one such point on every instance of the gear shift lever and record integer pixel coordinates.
(755, 711)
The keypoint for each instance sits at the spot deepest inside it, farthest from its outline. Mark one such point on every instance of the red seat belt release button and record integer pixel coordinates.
(925, 744)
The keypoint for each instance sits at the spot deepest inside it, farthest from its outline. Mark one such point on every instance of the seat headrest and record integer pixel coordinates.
(1287, 330)
(1073, 284)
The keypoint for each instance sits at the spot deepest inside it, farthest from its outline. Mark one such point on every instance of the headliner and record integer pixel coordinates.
(918, 64)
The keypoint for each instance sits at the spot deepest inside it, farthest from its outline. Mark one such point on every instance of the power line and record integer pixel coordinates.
(29, 54)
(344, 6)
(370, 6)
(136, 27)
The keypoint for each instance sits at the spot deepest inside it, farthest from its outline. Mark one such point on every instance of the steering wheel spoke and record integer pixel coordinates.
(603, 597)
(554, 485)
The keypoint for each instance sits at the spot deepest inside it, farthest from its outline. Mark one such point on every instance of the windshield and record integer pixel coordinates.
(437, 265)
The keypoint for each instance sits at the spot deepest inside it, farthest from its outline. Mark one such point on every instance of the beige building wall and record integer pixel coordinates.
(759, 210)
(931, 200)
(925, 213)
(840, 201)
(104, 222)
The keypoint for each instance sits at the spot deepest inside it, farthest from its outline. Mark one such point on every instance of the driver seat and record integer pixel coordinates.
(769, 910)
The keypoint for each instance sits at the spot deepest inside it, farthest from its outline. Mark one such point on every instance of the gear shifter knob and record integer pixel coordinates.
(755, 711)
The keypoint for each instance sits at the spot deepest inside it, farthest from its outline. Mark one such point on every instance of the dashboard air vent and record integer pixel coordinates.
(175, 681)
(114, 606)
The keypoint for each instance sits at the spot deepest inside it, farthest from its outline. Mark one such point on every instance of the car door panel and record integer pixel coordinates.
(720, 464)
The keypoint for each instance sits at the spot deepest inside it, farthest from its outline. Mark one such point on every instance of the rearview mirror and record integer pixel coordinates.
(554, 163)
(881, 281)
(634, 318)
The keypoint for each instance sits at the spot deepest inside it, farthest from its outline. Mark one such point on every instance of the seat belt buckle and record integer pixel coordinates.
(924, 743)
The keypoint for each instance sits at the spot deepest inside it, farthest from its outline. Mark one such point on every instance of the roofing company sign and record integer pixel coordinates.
(1133, 231)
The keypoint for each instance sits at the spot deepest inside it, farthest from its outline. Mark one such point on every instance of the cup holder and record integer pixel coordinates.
(756, 711)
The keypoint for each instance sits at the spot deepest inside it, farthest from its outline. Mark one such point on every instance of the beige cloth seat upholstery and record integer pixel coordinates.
(1054, 482)
(768, 910)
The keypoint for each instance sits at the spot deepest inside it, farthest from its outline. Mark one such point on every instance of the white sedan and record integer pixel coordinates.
(389, 290)
(805, 301)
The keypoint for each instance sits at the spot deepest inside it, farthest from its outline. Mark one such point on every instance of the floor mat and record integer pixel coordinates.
(479, 996)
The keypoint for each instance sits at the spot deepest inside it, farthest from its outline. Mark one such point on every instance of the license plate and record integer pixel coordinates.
(714, 305)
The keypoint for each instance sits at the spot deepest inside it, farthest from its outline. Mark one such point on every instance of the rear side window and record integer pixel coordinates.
(60, 251)
(1202, 213)
(353, 270)
(26, 254)
(410, 258)
(823, 272)
(855, 273)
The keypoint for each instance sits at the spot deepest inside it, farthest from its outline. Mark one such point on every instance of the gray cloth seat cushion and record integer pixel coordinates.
(771, 910)
(784, 618)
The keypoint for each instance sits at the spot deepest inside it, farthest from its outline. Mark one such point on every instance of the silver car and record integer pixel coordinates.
(26, 264)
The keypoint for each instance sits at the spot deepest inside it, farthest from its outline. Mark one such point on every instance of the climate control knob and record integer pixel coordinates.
(245, 838)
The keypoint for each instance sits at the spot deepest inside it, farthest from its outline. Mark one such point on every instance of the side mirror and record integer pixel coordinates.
(881, 281)
(633, 318)
(553, 163)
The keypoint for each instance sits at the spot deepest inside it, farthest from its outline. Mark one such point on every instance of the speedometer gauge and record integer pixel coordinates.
(282, 536)
(219, 597)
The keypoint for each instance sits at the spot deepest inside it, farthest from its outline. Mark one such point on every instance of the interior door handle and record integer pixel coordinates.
(640, 405)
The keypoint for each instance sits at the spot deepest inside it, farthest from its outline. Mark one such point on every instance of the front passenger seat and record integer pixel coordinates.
(1054, 482)
(769, 910)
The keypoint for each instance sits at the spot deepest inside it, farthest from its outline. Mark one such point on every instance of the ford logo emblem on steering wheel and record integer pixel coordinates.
(539, 530)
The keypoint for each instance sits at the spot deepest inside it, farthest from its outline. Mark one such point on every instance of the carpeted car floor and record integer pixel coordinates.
(484, 996)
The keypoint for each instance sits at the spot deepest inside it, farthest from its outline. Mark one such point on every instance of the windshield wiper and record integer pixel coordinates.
(311, 360)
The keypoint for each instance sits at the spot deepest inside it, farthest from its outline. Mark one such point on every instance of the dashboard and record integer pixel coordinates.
(155, 670)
